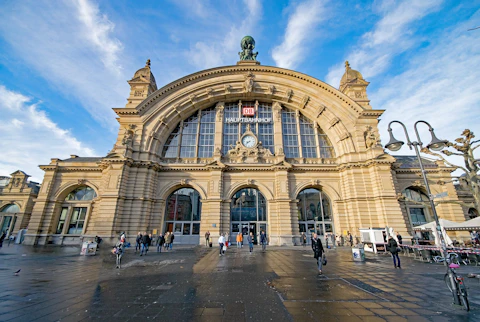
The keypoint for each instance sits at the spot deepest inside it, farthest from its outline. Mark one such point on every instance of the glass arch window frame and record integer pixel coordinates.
(10, 209)
(318, 218)
(193, 137)
(417, 207)
(72, 218)
(174, 208)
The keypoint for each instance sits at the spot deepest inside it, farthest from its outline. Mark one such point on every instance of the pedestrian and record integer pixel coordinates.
(350, 239)
(327, 237)
(332, 236)
(250, 240)
(399, 237)
(339, 240)
(172, 237)
(168, 239)
(207, 238)
(392, 247)
(317, 248)
(138, 242)
(227, 241)
(221, 243)
(2, 237)
(263, 240)
(118, 250)
(145, 242)
(239, 240)
(304, 240)
(160, 242)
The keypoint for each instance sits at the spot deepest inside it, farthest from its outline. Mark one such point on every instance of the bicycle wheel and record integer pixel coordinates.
(463, 296)
(447, 281)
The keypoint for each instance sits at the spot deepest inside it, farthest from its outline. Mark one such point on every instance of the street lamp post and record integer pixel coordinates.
(435, 145)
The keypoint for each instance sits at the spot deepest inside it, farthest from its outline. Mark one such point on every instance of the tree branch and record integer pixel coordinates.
(427, 151)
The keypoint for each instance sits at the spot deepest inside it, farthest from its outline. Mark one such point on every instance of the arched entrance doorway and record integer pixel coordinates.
(183, 215)
(314, 213)
(248, 213)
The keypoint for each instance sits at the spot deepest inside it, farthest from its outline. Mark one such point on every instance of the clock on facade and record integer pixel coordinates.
(249, 141)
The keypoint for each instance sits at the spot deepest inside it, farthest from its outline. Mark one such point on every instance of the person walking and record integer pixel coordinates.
(11, 238)
(207, 238)
(263, 240)
(168, 239)
(399, 238)
(160, 242)
(118, 250)
(221, 243)
(304, 240)
(2, 237)
(250, 240)
(350, 239)
(239, 240)
(138, 242)
(145, 242)
(392, 247)
(318, 250)
(172, 237)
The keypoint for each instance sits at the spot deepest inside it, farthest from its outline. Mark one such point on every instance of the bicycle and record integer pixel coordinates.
(459, 288)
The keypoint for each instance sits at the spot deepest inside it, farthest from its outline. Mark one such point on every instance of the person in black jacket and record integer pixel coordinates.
(138, 244)
(145, 243)
(160, 242)
(317, 248)
(392, 247)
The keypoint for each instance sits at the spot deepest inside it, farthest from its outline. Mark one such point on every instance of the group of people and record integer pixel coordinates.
(144, 241)
(4, 235)
(223, 241)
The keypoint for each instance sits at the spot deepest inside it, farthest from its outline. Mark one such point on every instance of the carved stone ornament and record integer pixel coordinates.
(304, 102)
(228, 89)
(250, 181)
(192, 98)
(370, 137)
(219, 107)
(344, 136)
(248, 45)
(417, 183)
(320, 110)
(315, 182)
(249, 84)
(255, 154)
(82, 181)
(271, 89)
(288, 95)
(184, 182)
(334, 121)
(210, 92)
(128, 135)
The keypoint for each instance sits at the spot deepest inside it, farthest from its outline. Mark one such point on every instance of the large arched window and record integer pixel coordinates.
(302, 138)
(8, 218)
(10, 209)
(193, 137)
(74, 211)
(417, 206)
(314, 212)
(183, 212)
(248, 213)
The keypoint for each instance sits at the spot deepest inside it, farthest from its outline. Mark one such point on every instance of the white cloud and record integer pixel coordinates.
(305, 18)
(439, 86)
(73, 47)
(30, 137)
(217, 53)
(391, 36)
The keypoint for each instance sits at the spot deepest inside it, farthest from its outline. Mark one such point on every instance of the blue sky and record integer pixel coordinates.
(64, 64)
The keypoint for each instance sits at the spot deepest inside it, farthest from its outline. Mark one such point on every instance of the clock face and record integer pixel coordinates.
(249, 141)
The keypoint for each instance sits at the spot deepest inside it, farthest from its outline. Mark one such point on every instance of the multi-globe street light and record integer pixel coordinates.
(435, 145)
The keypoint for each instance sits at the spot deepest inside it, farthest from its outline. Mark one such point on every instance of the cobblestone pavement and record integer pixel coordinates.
(196, 284)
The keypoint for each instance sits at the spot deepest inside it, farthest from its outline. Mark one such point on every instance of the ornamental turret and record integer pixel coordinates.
(141, 85)
(354, 86)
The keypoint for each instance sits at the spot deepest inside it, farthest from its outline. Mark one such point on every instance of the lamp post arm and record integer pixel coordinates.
(430, 128)
(409, 143)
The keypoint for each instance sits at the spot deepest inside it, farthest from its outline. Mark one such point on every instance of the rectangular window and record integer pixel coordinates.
(77, 221)
(230, 130)
(326, 150)
(265, 130)
(195, 229)
(307, 133)
(171, 146)
(189, 139)
(186, 229)
(178, 227)
(417, 216)
(235, 228)
(61, 221)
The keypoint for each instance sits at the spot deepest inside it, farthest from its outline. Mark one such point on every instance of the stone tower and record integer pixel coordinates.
(354, 86)
(141, 85)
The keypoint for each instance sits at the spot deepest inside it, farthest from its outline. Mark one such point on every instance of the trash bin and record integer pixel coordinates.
(88, 248)
(358, 253)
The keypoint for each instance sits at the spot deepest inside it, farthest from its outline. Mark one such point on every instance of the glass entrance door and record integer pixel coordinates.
(6, 224)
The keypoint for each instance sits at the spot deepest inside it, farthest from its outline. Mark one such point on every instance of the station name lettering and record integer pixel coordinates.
(248, 120)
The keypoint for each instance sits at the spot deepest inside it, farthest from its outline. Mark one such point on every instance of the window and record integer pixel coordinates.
(417, 205)
(183, 212)
(78, 219)
(472, 213)
(314, 210)
(11, 209)
(61, 221)
(290, 134)
(82, 193)
(193, 137)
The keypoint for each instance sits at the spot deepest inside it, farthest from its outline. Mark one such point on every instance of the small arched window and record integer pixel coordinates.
(81, 194)
(417, 205)
(10, 209)
(472, 213)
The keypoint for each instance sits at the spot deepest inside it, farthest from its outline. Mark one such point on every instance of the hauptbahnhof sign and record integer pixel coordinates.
(248, 120)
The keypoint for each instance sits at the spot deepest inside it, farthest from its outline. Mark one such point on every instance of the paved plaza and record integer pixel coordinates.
(196, 284)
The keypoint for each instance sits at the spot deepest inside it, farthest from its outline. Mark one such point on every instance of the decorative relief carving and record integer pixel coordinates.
(288, 95)
(305, 101)
(228, 89)
(358, 95)
(138, 93)
(184, 181)
(192, 98)
(129, 131)
(210, 92)
(334, 121)
(250, 181)
(241, 154)
(277, 111)
(344, 136)
(82, 181)
(249, 84)
(371, 139)
(417, 183)
(315, 182)
(271, 89)
(320, 110)
(220, 107)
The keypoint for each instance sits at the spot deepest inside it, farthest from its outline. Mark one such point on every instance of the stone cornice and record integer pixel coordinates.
(236, 69)
(123, 111)
(363, 164)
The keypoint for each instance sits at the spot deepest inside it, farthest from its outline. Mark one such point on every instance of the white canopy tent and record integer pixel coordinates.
(472, 224)
(432, 226)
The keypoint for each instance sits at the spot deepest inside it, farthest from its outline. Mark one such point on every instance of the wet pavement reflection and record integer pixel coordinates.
(196, 284)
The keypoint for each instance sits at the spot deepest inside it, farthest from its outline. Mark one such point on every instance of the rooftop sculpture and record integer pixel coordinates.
(248, 45)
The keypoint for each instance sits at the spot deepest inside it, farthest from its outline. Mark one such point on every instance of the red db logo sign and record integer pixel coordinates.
(248, 111)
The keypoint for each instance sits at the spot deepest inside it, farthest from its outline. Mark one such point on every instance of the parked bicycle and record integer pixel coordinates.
(459, 290)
